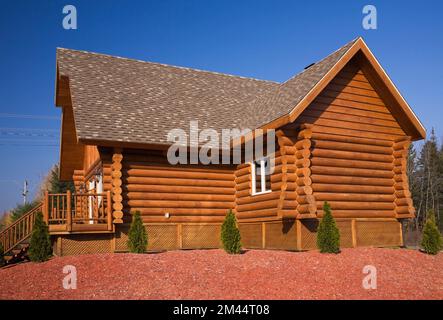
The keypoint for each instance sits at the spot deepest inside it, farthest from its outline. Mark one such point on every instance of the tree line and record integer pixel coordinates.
(425, 174)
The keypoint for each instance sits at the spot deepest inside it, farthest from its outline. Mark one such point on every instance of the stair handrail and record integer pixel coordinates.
(6, 236)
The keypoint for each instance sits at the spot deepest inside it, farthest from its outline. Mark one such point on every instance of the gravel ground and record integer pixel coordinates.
(212, 274)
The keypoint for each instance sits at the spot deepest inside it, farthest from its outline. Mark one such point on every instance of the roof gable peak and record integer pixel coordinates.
(313, 80)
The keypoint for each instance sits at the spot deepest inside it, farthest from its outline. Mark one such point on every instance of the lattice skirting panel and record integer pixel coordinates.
(251, 235)
(201, 236)
(291, 234)
(355, 233)
(308, 230)
(84, 244)
(173, 236)
(160, 237)
(279, 234)
(379, 233)
(282, 234)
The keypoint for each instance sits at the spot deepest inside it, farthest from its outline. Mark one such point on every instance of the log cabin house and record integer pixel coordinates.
(342, 136)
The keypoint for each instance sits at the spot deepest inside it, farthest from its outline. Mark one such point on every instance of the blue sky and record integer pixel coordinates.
(262, 39)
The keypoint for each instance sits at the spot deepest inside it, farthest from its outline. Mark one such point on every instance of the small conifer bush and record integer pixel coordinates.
(40, 245)
(230, 235)
(432, 241)
(137, 237)
(328, 235)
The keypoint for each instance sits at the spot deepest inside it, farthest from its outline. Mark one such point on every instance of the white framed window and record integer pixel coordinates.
(261, 176)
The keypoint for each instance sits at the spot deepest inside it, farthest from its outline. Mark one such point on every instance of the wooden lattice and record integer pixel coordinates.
(251, 235)
(345, 227)
(309, 234)
(281, 235)
(201, 236)
(84, 244)
(162, 237)
(378, 233)
(121, 239)
(278, 235)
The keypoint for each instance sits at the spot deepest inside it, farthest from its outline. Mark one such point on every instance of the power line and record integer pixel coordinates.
(28, 129)
(28, 116)
(23, 134)
(28, 145)
(27, 142)
(29, 132)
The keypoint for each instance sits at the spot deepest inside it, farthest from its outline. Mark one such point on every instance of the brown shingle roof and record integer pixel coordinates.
(288, 94)
(118, 99)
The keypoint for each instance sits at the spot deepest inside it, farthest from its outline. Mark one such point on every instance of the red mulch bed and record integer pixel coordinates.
(212, 274)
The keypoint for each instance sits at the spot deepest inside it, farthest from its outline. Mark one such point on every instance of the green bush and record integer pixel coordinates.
(328, 235)
(137, 237)
(432, 241)
(230, 235)
(2, 253)
(40, 245)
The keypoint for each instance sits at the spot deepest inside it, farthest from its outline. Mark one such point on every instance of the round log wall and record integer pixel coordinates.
(345, 148)
(189, 193)
(357, 153)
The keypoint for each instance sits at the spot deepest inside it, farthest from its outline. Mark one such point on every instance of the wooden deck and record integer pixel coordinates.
(64, 213)
(78, 213)
(79, 228)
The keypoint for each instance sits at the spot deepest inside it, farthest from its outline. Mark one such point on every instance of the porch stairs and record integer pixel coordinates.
(15, 238)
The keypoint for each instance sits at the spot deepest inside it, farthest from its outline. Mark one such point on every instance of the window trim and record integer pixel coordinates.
(262, 177)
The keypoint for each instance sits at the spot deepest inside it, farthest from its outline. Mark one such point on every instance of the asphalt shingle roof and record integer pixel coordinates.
(119, 99)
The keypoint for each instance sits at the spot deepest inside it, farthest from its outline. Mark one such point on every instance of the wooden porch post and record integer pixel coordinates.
(354, 233)
(46, 208)
(68, 211)
(109, 209)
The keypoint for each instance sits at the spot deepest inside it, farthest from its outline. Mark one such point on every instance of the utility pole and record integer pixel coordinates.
(25, 191)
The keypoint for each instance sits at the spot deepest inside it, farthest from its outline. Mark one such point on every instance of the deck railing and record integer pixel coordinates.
(68, 209)
(19, 230)
(63, 212)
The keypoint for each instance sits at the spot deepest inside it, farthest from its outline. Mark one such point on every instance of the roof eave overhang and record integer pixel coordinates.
(123, 144)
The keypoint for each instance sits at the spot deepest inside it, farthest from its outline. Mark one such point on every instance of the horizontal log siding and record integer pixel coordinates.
(190, 193)
(260, 207)
(78, 178)
(353, 164)
(106, 162)
(248, 206)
